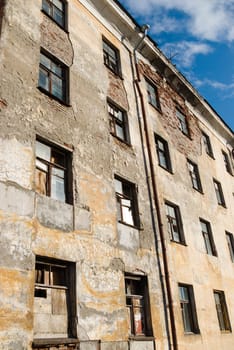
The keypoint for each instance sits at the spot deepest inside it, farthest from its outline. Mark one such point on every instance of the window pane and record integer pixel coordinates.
(119, 132)
(58, 4)
(57, 188)
(162, 160)
(45, 61)
(43, 79)
(46, 7)
(43, 151)
(41, 182)
(118, 186)
(57, 87)
(127, 212)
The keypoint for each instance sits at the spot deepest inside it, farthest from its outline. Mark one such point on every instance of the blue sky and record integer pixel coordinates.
(198, 37)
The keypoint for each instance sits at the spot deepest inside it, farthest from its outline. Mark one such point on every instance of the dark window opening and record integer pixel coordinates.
(118, 122)
(207, 145)
(208, 237)
(194, 174)
(53, 77)
(53, 172)
(174, 223)
(152, 94)
(163, 153)
(111, 57)
(230, 242)
(183, 124)
(127, 208)
(227, 162)
(56, 9)
(137, 302)
(219, 193)
(188, 309)
(222, 311)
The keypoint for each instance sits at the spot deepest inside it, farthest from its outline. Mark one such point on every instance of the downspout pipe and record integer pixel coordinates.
(155, 195)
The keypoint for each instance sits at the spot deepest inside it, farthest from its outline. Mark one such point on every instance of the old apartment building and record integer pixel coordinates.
(116, 188)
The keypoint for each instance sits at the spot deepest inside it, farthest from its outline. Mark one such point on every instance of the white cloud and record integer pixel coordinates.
(183, 53)
(206, 19)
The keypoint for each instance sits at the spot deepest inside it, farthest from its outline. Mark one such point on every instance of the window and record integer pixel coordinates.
(111, 57)
(207, 144)
(188, 309)
(163, 153)
(54, 299)
(219, 193)
(152, 93)
(194, 174)
(227, 162)
(208, 237)
(127, 209)
(118, 122)
(230, 242)
(53, 172)
(137, 301)
(53, 77)
(183, 125)
(174, 223)
(222, 312)
(56, 9)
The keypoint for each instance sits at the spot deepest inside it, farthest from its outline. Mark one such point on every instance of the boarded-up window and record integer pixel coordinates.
(137, 301)
(54, 299)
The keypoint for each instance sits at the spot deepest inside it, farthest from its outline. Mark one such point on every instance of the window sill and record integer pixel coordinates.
(158, 109)
(225, 331)
(180, 243)
(166, 169)
(191, 333)
(222, 205)
(53, 341)
(125, 142)
(117, 74)
(53, 97)
(141, 337)
(198, 190)
(132, 226)
(64, 28)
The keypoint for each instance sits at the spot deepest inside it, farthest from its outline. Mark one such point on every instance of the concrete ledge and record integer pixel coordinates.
(54, 214)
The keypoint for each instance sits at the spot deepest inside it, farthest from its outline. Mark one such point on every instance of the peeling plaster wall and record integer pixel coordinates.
(87, 232)
(191, 264)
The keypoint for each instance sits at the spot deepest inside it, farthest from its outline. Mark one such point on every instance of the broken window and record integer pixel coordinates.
(53, 77)
(227, 162)
(230, 242)
(222, 311)
(188, 308)
(152, 93)
(53, 172)
(118, 122)
(137, 301)
(194, 174)
(208, 237)
(207, 145)
(174, 223)
(163, 153)
(111, 57)
(127, 209)
(54, 299)
(56, 9)
(219, 193)
(183, 124)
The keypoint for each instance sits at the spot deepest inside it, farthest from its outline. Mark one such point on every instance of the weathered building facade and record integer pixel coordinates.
(116, 185)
